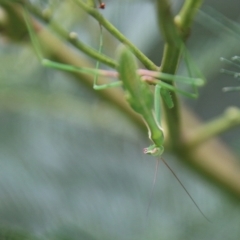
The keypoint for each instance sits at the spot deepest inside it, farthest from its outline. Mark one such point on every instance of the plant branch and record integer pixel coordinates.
(73, 40)
(12, 25)
(169, 64)
(211, 159)
(117, 34)
(230, 119)
(185, 17)
(174, 39)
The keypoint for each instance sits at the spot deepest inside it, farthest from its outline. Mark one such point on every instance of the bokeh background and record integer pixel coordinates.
(71, 164)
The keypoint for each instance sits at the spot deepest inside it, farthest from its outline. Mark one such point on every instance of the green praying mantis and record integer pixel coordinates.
(136, 85)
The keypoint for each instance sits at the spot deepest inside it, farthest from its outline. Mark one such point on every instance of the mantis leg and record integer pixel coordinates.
(157, 100)
(108, 85)
(193, 71)
(175, 89)
(51, 64)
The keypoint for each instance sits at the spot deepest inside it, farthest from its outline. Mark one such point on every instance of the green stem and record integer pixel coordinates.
(117, 34)
(229, 120)
(186, 16)
(174, 34)
(169, 65)
(72, 38)
(13, 27)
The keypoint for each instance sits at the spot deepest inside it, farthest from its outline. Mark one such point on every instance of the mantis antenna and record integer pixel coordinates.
(184, 188)
(179, 181)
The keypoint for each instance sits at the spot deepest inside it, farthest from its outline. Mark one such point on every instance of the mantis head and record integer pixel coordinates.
(154, 150)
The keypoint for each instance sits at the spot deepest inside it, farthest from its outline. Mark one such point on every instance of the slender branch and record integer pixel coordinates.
(229, 120)
(186, 16)
(117, 34)
(71, 38)
(211, 159)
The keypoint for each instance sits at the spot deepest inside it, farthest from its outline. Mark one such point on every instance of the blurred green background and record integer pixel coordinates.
(71, 164)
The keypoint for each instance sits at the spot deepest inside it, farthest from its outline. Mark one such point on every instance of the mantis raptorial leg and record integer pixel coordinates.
(136, 86)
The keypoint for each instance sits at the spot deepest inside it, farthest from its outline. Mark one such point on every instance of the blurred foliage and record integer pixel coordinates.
(71, 165)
